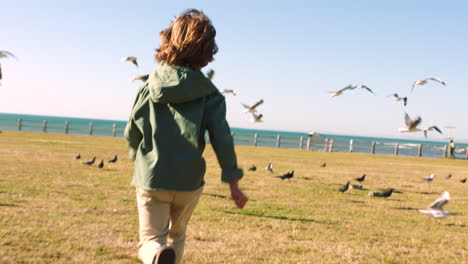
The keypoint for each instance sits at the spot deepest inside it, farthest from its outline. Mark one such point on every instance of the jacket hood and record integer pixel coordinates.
(178, 84)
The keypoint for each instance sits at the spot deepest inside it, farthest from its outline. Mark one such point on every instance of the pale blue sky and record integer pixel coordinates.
(289, 53)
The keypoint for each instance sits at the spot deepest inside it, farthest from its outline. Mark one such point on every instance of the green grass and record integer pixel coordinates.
(53, 209)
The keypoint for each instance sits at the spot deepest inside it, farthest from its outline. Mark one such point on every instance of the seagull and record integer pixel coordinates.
(361, 179)
(270, 168)
(361, 86)
(256, 118)
(288, 175)
(448, 176)
(132, 59)
(356, 187)
(343, 188)
(385, 194)
(398, 98)
(143, 77)
(339, 92)
(113, 160)
(411, 125)
(210, 74)
(430, 178)
(101, 164)
(463, 181)
(226, 91)
(78, 156)
(436, 209)
(323, 165)
(430, 129)
(5, 54)
(253, 168)
(90, 162)
(423, 82)
(251, 109)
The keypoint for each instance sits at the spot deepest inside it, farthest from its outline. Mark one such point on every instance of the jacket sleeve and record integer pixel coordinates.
(221, 138)
(134, 138)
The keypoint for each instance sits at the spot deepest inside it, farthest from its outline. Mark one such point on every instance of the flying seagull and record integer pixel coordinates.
(339, 92)
(361, 86)
(78, 156)
(5, 54)
(143, 77)
(288, 175)
(398, 98)
(251, 109)
(361, 179)
(423, 82)
(430, 129)
(411, 125)
(253, 168)
(343, 188)
(113, 160)
(101, 164)
(436, 209)
(385, 194)
(210, 74)
(90, 162)
(226, 91)
(132, 59)
(256, 118)
(430, 178)
(270, 168)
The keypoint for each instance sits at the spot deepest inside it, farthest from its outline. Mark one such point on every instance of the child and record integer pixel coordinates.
(166, 137)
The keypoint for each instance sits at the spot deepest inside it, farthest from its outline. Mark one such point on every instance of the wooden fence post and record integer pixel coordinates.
(114, 129)
(373, 147)
(420, 150)
(44, 126)
(90, 128)
(466, 153)
(66, 127)
(300, 142)
(326, 144)
(445, 151)
(255, 139)
(396, 149)
(20, 124)
(278, 140)
(308, 143)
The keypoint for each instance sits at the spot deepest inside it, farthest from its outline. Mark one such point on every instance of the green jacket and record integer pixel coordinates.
(166, 131)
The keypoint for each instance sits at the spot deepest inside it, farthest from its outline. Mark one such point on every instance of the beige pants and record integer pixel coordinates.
(161, 214)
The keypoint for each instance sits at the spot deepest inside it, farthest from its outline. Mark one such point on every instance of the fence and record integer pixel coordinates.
(316, 143)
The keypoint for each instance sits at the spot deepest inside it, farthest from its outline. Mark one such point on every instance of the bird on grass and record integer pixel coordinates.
(423, 82)
(143, 78)
(253, 168)
(132, 59)
(398, 98)
(210, 74)
(5, 54)
(101, 164)
(90, 162)
(251, 109)
(323, 165)
(436, 209)
(411, 125)
(256, 118)
(355, 187)
(361, 179)
(430, 178)
(463, 181)
(343, 188)
(78, 156)
(113, 160)
(448, 176)
(269, 168)
(384, 194)
(430, 129)
(288, 175)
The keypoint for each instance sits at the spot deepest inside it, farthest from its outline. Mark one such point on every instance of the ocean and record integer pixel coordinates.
(264, 138)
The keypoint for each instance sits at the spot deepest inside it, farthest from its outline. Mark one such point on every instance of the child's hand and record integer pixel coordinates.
(237, 195)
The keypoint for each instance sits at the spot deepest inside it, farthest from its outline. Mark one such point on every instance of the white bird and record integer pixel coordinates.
(430, 178)
(5, 54)
(411, 125)
(430, 129)
(423, 82)
(251, 109)
(256, 118)
(226, 91)
(210, 74)
(269, 168)
(143, 77)
(361, 86)
(132, 59)
(436, 209)
(339, 92)
(398, 98)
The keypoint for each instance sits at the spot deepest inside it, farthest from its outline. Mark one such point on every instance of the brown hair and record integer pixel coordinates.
(188, 41)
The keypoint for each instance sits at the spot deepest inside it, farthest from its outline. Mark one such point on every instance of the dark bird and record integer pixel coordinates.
(210, 74)
(288, 175)
(101, 164)
(114, 160)
(270, 168)
(463, 181)
(385, 194)
(253, 168)
(356, 187)
(323, 165)
(448, 176)
(343, 188)
(90, 162)
(78, 156)
(361, 179)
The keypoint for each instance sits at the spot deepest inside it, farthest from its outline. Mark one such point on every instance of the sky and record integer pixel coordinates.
(288, 53)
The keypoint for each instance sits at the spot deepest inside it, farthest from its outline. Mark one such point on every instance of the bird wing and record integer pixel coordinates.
(6, 54)
(246, 106)
(437, 129)
(405, 100)
(349, 87)
(408, 120)
(368, 89)
(396, 95)
(436, 79)
(414, 84)
(257, 104)
(0, 72)
(440, 202)
(415, 122)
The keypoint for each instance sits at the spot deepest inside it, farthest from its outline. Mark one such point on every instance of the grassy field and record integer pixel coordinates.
(53, 209)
